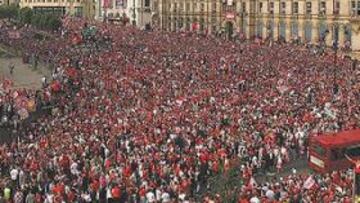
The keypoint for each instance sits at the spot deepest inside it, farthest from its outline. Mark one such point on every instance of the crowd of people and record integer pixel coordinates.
(153, 116)
(16, 104)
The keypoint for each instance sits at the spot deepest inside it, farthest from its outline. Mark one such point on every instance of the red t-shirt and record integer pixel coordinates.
(115, 192)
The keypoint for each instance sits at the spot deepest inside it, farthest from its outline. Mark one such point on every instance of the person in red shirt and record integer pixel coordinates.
(115, 194)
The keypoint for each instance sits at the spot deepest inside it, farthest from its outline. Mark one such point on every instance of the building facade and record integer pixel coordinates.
(81, 8)
(138, 12)
(329, 21)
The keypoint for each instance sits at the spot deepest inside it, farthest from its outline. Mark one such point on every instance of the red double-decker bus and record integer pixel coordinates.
(328, 152)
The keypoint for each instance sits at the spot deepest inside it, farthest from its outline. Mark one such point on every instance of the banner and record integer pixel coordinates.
(356, 186)
(309, 183)
(106, 4)
(195, 26)
(230, 15)
(120, 4)
(76, 40)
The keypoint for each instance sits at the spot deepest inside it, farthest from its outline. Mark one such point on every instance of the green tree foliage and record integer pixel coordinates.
(53, 22)
(46, 21)
(25, 15)
(9, 11)
(35, 20)
(49, 21)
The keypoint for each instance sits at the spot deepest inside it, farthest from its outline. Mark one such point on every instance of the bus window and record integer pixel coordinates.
(319, 150)
(353, 151)
(357, 184)
(337, 154)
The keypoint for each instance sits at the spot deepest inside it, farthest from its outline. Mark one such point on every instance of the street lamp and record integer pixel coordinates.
(335, 48)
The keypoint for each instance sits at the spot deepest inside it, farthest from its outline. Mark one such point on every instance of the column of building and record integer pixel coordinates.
(191, 13)
(265, 19)
(355, 37)
(238, 17)
(170, 15)
(207, 15)
(329, 21)
(247, 19)
(301, 20)
(344, 11)
(252, 18)
(315, 21)
(276, 19)
(288, 21)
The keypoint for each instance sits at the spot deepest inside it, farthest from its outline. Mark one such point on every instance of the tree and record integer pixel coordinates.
(53, 22)
(25, 15)
(9, 11)
(43, 21)
(35, 20)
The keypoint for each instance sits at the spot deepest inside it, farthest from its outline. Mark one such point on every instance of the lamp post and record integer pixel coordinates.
(356, 178)
(335, 48)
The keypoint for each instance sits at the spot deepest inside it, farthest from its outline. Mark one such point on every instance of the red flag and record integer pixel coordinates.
(76, 40)
(71, 72)
(56, 86)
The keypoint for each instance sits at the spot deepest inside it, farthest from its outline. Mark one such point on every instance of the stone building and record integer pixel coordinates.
(81, 8)
(138, 12)
(329, 21)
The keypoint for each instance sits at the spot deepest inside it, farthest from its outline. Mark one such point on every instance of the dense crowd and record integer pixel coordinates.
(153, 116)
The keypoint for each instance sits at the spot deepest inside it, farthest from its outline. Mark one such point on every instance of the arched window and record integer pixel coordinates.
(282, 27)
(308, 31)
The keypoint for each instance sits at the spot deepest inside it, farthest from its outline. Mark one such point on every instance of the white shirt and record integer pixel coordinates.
(270, 194)
(165, 197)
(73, 168)
(150, 197)
(254, 200)
(14, 174)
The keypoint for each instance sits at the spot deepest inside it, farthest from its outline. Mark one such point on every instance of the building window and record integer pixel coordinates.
(323, 8)
(202, 8)
(308, 8)
(271, 8)
(260, 7)
(213, 7)
(355, 7)
(187, 7)
(195, 7)
(181, 7)
(147, 3)
(296, 8)
(243, 7)
(336, 7)
(283, 8)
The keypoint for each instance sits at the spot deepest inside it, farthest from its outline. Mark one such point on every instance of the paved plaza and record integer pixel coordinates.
(23, 75)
